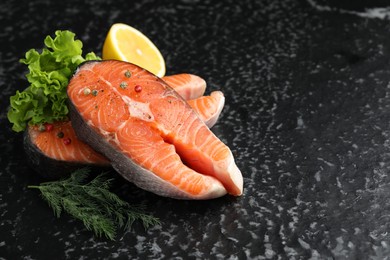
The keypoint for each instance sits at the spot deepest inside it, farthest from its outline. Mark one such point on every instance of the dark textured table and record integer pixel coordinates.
(307, 117)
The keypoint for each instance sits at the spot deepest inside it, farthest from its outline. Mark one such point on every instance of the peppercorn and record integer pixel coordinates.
(137, 88)
(67, 141)
(123, 85)
(49, 127)
(60, 134)
(127, 74)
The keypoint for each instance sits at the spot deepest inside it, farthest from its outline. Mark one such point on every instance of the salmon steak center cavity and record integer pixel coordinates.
(150, 134)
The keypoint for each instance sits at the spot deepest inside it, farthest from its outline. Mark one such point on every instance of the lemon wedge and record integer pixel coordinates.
(126, 43)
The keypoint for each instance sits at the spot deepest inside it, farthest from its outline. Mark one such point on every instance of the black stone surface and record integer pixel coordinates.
(307, 117)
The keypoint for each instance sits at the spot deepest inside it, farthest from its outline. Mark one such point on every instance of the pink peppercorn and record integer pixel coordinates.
(137, 88)
(49, 127)
(67, 141)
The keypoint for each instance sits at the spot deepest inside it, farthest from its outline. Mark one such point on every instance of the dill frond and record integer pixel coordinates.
(91, 202)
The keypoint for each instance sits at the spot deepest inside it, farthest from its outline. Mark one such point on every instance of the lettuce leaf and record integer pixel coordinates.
(45, 99)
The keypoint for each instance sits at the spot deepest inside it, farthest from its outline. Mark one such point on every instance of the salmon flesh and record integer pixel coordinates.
(150, 134)
(59, 142)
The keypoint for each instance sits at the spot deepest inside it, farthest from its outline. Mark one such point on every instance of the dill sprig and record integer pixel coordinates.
(100, 210)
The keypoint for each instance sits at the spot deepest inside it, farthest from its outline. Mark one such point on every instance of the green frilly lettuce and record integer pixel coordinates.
(45, 99)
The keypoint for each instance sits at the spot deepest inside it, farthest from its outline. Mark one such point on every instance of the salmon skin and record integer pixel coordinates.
(150, 134)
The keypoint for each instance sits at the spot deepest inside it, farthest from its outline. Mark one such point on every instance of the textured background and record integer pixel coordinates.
(306, 116)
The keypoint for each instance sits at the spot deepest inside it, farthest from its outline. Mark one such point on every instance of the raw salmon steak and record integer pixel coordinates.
(54, 151)
(150, 134)
(59, 142)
